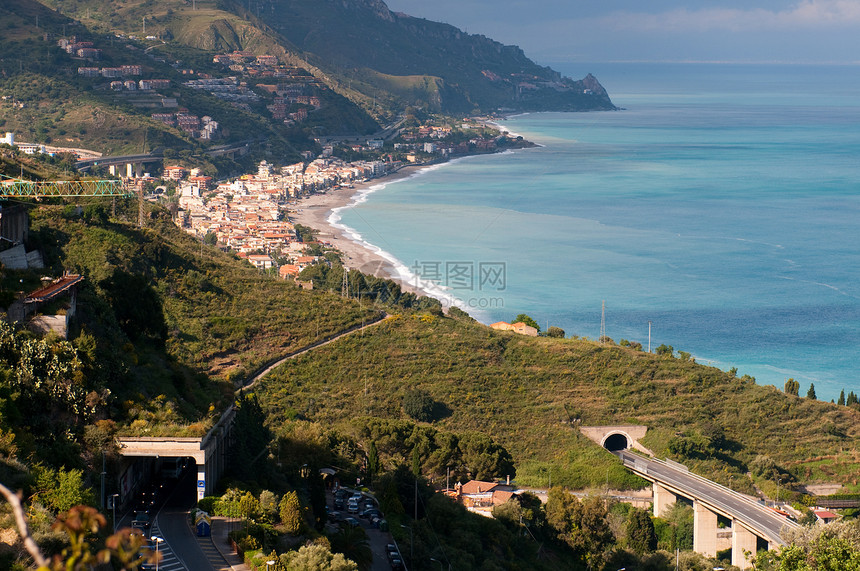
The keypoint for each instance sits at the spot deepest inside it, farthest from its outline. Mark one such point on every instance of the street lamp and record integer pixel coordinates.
(269, 564)
(157, 541)
(778, 482)
(114, 498)
(411, 542)
(439, 562)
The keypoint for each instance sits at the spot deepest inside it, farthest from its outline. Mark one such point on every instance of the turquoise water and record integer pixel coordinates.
(721, 205)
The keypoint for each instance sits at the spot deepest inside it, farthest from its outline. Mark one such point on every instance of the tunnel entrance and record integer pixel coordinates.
(615, 442)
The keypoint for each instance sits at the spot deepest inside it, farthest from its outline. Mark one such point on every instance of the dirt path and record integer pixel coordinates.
(268, 367)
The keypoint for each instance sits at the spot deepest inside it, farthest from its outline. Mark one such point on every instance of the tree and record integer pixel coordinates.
(418, 404)
(679, 517)
(269, 506)
(81, 526)
(484, 458)
(792, 387)
(554, 331)
(61, 489)
(372, 461)
(582, 525)
(810, 394)
(641, 536)
(353, 543)
(523, 318)
(252, 437)
(829, 548)
(291, 513)
(316, 557)
(841, 400)
(665, 350)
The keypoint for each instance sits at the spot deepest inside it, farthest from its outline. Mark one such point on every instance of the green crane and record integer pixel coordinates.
(18, 188)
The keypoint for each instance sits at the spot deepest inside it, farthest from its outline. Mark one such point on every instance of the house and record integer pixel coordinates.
(174, 173)
(261, 261)
(825, 516)
(524, 329)
(289, 271)
(477, 494)
(65, 286)
(518, 327)
(305, 261)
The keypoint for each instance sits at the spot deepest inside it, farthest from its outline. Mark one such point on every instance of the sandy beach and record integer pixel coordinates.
(315, 210)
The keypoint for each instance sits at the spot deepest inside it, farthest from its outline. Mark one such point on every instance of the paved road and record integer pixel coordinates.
(181, 548)
(754, 515)
(377, 540)
(118, 160)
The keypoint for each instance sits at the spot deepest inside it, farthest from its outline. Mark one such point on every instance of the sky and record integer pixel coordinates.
(751, 31)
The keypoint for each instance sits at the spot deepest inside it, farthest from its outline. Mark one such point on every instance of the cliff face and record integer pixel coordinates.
(363, 39)
(382, 60)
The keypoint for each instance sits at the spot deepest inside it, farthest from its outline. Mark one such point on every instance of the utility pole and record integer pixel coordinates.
(602, 322)
(140, 208)
(649, 336)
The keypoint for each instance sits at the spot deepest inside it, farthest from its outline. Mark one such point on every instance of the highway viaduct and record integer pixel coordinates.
(133, 163)
(753, 526)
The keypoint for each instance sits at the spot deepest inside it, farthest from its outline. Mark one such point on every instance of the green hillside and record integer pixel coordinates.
(531, 394)
(358, 49)
(46, 99)
(464, 72)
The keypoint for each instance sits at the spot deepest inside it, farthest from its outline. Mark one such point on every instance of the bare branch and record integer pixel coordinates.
(15, 501)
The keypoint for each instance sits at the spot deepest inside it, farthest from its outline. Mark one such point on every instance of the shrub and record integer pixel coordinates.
(554, 331)
(418, 404)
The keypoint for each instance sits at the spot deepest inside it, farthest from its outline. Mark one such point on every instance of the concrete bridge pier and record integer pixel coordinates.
(112, 169)
(663, 499)
(742, 540)
(704, 530)
(133, 169)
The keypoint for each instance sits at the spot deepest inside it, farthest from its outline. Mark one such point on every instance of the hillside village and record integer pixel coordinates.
(289, 100)
(249, 215)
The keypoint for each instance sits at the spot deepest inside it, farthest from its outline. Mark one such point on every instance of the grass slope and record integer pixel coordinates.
(189, 322)
(531, 394)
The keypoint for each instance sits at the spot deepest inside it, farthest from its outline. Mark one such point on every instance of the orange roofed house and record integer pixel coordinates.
(478, 496)
(518, 327)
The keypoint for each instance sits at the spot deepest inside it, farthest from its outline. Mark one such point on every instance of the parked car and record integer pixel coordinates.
(352, 522)
(370, 513)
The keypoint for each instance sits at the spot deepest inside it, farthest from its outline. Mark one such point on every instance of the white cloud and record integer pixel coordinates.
(808, 14)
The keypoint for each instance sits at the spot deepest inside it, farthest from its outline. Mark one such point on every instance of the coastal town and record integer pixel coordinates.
(250, 215)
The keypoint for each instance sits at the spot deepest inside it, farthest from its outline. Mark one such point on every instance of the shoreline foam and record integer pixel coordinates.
(322, 212)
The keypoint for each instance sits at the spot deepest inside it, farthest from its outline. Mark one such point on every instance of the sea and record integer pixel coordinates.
(718, 212)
